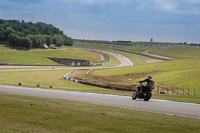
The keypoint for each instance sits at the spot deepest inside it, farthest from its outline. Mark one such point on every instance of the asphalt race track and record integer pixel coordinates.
(158, 106)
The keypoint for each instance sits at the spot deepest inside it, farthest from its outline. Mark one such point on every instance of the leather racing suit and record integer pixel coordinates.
(150, 84)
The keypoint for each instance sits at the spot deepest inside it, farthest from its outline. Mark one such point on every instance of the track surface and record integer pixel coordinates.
(158, 106)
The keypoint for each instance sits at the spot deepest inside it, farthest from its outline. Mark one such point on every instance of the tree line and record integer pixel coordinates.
(31, 35)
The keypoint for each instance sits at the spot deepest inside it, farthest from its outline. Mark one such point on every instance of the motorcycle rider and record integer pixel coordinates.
(150, 83)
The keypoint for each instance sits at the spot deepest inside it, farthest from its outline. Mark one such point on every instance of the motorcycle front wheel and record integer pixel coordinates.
(134, 96)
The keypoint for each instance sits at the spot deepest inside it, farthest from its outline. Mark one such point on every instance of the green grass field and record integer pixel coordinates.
(5, 47)
(174, 51)
(33, 114)
(32, 57)
(179, 52)
(137, 48)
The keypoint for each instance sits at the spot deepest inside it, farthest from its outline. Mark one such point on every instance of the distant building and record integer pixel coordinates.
(151, 40)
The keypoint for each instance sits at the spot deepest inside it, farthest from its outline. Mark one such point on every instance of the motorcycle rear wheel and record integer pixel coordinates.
(149, 94)
(134, 96)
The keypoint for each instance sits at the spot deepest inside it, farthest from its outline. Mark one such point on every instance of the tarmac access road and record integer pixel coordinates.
(159, 106)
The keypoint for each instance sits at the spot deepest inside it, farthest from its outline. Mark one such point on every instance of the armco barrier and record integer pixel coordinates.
(73, 80)
(105, 86)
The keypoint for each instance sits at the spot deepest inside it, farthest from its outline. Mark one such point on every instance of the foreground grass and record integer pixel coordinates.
(32, 114)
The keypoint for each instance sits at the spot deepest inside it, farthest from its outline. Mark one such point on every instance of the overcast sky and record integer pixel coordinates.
(134, 20)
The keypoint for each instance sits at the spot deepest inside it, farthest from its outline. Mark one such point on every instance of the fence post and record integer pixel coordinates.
(167, 90)
(158, 91)
(194, 91)
(188, 91)
(183, 91)
(172, 90)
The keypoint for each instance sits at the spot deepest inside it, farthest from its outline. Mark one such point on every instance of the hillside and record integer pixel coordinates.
(31, 35)
(180, 73)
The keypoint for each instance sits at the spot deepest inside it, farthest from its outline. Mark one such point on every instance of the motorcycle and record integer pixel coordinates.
(146, 94)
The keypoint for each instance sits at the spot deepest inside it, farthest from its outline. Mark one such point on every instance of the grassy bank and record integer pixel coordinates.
(173, 51)
(32, 114)
(35, 56)
(179, 52)
(179, 73)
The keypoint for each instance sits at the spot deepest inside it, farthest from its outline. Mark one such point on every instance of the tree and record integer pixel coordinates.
(28, 34)
(55, 40)
(11, 38)
(67, 41)
(27, 42)
(18, 41)
(8, 31)
(48, 39)
(2, 36)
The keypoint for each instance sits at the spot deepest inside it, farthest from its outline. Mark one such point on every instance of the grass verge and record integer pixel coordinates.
(33, 114)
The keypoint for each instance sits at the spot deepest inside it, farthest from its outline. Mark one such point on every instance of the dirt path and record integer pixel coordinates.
(146, 52)
(101, 58)
(153, 61)
(74, 73)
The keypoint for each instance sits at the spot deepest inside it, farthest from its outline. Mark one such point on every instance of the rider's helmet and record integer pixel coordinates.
(149, 77)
